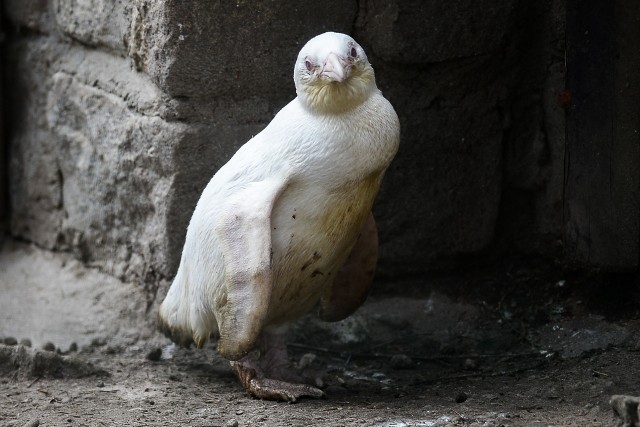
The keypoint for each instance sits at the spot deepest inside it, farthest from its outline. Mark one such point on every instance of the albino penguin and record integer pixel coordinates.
(286, 224)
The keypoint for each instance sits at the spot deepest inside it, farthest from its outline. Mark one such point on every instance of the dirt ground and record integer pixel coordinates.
(521, 344)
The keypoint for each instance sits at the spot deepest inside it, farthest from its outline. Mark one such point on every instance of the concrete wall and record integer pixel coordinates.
(122, 110)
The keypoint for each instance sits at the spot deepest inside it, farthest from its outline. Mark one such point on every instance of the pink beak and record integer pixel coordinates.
(335, 68)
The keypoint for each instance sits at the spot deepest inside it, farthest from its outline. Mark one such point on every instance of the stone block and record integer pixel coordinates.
(534, 155)
(34, 184)
(34, 15)
(95, 167)
(95, 22)
(3, 194)
(109, 158)
(417, 31)
(116, 172)
(441, 195)
(90, 173)
(223, 53)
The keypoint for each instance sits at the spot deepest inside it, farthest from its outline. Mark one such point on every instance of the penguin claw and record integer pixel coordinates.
(272, 389)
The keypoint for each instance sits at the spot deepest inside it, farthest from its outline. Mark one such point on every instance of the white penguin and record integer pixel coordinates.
(286, 224)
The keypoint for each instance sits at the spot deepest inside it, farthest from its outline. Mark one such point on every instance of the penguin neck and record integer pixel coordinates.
(323, 97)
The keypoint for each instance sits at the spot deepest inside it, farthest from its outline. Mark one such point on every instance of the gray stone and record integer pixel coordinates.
(34, 184)
(576, 337)
(109, 152)
(535, 137)
(97, 171)
(401, 361)
(95, 22)
(32, 423)
(22, 362)
(415, 31)
(3, 194)
(441, 195)
(235, 57)
(35, 15)
(625, 409)
(91, 174)
(116, 171)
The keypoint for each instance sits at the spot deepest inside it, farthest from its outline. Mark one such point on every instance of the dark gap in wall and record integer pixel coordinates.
(529, 219)
(4, 154)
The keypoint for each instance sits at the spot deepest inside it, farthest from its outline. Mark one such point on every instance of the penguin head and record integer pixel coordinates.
(332, 74)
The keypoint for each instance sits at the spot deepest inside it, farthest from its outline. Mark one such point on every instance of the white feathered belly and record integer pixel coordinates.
(313, 232)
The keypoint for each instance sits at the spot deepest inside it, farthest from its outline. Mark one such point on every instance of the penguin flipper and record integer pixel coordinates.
(244, 229)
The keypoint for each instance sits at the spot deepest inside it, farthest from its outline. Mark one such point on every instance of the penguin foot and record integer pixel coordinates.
(267, 372)
(253, 379)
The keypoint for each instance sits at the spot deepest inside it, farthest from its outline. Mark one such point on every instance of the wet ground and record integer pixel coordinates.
(516, 345)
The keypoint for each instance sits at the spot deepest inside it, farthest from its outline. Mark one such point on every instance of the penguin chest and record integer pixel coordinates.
(313, 231)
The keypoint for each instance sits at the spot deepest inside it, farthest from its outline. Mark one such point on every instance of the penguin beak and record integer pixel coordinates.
(335, 68)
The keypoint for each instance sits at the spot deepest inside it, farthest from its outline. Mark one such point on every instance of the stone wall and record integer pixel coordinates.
(122, 110)
(3, 186)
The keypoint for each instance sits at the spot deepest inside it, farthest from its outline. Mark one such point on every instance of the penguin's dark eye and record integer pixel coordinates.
(309, 65)
(353, 53)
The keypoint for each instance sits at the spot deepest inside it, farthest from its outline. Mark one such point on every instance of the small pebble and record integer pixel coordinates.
(239, 412)
(401, 361)
(49, 346)
(625, 408)
(10, 341)
(470, 364)
(461, 397)
(232, 423)
(154, 355)
(306, 360)
(100, 384)
(32, 423)
(113, 349)
(334, 390)
(25, 342)
(378, 376)
(98, 342)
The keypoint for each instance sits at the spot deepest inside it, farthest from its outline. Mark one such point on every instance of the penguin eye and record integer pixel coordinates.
(309, 65)
(353, 53)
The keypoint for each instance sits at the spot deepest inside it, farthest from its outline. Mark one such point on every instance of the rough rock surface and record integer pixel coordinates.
(100, 23)
(417, 32)
(122, 111)
(3, 175)
(91, 163)
(626, 409)
(20, 362)
(53, 298)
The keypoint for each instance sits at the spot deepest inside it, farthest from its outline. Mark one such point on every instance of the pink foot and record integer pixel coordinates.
(271, 389)
(267, 374)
